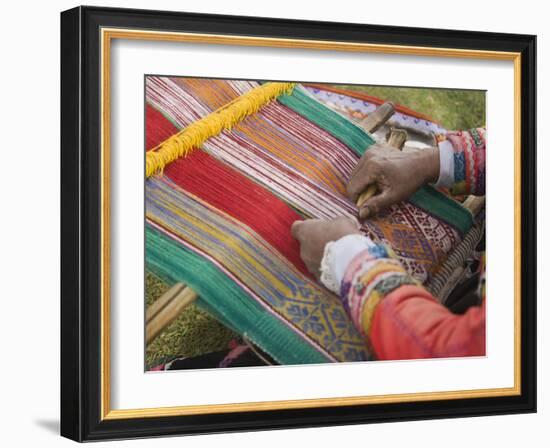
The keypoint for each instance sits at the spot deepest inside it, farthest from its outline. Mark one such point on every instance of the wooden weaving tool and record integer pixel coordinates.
(377, 119)
(474, 204)
(395, 138)
(166, 309)
(371, 124)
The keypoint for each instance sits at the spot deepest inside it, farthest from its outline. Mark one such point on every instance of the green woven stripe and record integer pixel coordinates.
(232, 305)
(339, 126)
(443, 207)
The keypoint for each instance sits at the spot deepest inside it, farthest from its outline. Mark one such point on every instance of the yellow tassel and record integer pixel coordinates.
(224, 118)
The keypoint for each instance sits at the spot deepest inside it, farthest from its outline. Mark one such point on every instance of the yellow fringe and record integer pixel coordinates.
(194, 135)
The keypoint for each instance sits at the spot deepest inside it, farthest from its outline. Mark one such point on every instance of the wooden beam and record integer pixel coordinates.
(378, 118)
(395, 138)
(166, 309)
(474, 204)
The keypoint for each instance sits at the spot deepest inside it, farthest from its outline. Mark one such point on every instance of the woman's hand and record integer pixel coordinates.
(396, 174)
(314, 234)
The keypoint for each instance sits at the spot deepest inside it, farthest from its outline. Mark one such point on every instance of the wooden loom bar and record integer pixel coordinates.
(395, 137)
(474, 204)
(166, 309)
(377, 119)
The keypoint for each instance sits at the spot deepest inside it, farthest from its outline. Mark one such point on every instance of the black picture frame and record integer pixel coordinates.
(81, 224)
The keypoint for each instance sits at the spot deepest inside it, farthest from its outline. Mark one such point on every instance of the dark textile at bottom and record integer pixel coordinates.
(237, 355)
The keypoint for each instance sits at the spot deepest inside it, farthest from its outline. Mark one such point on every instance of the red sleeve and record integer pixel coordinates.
(399, 318)
(410, 324)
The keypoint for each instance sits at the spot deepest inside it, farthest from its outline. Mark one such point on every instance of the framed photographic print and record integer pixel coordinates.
(272, 223)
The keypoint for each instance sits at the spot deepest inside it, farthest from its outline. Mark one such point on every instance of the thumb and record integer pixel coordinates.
(358, 183)
(295, 229)
(373, 205)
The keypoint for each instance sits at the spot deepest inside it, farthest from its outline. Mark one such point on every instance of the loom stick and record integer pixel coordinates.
(366, 195)
(378, 118)
(172, 303)
(162, 301)
(474, 204)
(396, 138)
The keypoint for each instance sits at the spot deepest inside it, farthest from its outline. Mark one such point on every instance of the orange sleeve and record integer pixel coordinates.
(402, 320)
(410, 324)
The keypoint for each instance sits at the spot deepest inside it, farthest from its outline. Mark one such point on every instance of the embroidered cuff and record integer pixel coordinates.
(446, 165)
(338, 255)
(369, 278)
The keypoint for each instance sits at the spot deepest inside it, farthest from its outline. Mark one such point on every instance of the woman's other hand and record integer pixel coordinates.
(314, 234)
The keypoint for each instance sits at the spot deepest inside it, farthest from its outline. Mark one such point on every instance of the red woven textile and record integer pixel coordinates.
(157, 127)
(218, 184)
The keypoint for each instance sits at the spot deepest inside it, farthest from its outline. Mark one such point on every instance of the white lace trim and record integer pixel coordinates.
(328, 277)
(337, 256)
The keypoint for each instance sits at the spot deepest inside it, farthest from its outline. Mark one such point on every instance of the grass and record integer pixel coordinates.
(195, 332)
(453, 109)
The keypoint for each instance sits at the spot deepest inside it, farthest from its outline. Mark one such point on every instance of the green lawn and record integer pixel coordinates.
(454, 109)
(195, 332)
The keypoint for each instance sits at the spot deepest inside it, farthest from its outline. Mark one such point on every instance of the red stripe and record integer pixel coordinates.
(157, 127)
(226, 189)
(219, 185)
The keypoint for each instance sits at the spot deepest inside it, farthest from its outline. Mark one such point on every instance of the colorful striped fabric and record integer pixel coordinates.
(469, 161)
(219, 219)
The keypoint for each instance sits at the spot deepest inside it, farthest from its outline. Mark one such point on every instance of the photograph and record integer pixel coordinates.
(304, 223)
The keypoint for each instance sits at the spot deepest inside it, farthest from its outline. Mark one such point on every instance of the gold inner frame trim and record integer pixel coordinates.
(107, 35)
